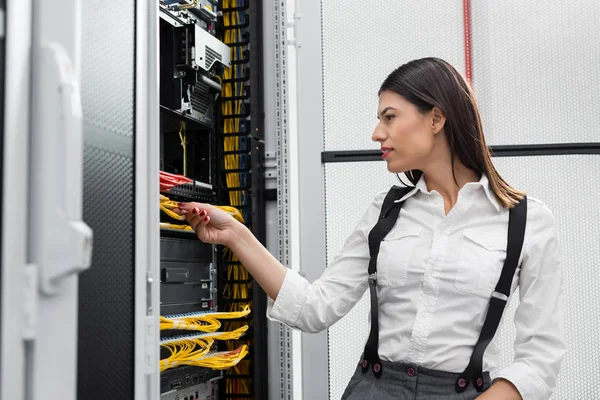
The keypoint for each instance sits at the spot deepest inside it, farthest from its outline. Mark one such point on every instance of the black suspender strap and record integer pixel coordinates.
(387, 219)
(516, 234)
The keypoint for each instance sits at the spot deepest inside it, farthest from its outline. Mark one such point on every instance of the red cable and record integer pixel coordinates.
(169, 181)
(467, 32)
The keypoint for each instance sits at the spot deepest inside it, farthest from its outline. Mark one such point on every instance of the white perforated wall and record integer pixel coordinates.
(363, 42)
(567, 184)
(535, 64)
(536, 68)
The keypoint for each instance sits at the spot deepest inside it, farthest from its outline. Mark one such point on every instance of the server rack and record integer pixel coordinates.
(188, 87)
(210, 128)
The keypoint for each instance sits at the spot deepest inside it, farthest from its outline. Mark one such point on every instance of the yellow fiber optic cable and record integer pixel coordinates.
(167, 205)
(216, 360)
(185, 350)
(190, 324)
(237, 291)
(225, 335)
(183, 138)
(182, 349)
(206, 322)
(166, 225)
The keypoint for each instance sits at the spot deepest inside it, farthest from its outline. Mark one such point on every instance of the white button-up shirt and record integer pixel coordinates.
(435, 276)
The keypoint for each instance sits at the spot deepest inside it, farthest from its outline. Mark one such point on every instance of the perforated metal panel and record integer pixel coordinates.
(108, 65)
(365, 41)
(567, 185)
(106, 290)
(536, 70)
(349, 189)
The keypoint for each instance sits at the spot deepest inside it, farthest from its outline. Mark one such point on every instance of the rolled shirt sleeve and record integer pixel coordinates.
(540, 344)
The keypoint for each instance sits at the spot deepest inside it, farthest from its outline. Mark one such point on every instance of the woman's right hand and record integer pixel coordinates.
(211, 224)
(214, 225)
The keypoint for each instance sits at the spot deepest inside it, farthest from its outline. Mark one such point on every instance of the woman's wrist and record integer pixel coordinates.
(238, 235)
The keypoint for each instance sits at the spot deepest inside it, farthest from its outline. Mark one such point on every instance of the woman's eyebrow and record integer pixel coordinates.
(384, 111)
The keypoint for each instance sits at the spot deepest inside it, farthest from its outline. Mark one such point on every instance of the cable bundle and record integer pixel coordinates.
(237, 288)
(169, 181)
(207, 321)
(190, 324)
(215, 360)
(193, 350)
(167, 205)
(184, 339)
(234, 110)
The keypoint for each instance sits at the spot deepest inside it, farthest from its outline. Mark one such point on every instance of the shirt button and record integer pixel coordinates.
(411, 372)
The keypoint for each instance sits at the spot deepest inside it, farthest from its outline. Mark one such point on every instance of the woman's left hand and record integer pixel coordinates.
(501, 390)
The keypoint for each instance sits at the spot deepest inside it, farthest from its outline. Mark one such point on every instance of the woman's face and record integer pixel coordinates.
(406, 136)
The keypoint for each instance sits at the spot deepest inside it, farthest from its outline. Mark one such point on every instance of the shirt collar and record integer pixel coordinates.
(483, 182)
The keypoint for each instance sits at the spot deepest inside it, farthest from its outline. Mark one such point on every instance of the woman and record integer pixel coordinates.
(438, 266)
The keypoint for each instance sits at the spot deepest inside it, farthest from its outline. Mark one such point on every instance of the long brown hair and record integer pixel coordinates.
(431, 82)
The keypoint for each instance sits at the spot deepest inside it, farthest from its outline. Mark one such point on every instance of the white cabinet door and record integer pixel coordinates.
(147, 272)
(59, 242)
(17, 319)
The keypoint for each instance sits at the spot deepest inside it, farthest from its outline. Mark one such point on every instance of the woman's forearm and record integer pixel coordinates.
(266, 269)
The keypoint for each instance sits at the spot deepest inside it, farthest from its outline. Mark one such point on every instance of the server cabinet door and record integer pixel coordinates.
(107, 326)
(16, 322)
(147, 232)
(59, 243)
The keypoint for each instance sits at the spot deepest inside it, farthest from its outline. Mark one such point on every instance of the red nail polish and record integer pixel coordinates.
(205, 219)
(195, 211)
(181, 204)
(202, 213)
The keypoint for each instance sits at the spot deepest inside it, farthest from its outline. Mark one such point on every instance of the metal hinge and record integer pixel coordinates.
(30, 302)
(151, 351)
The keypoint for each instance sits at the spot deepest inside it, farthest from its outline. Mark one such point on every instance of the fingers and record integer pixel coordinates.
(197, 219)
(190, 206)
(185, 208)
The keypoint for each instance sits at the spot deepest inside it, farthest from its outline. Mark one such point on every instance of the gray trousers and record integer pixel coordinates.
(408, 382)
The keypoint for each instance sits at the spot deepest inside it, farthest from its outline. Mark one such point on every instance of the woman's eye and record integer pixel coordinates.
(389, 117)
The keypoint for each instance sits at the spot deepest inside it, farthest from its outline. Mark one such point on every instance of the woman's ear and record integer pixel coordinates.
(438, 120)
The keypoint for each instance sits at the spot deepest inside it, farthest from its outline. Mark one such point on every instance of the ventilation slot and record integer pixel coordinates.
(211, 56)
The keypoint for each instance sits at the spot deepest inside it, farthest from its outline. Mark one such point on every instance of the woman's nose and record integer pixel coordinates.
(378, 135)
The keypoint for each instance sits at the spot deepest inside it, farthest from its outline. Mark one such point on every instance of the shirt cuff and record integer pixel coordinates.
(290, 299)
(528, 383)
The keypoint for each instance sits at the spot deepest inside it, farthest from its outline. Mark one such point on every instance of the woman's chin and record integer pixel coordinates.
(394, 168)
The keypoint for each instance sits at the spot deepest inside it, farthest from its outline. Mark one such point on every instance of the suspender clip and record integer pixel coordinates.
(373, 278)
(500, 296)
